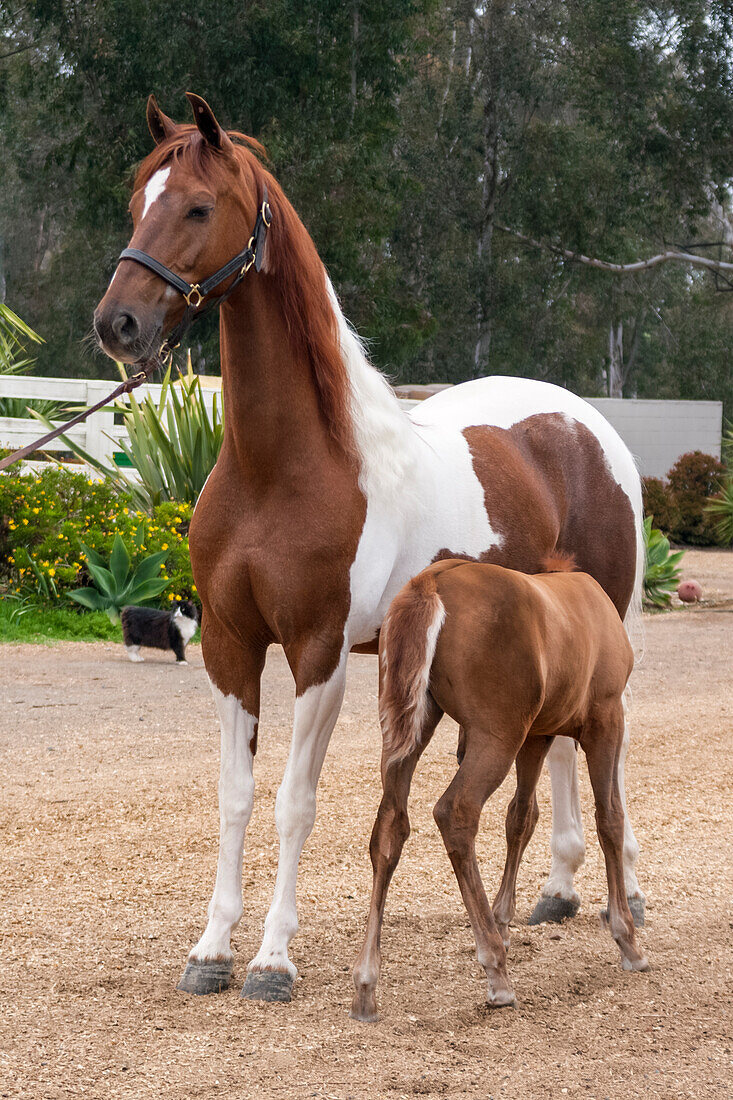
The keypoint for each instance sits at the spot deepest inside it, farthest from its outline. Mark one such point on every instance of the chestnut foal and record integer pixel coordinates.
(516, 660)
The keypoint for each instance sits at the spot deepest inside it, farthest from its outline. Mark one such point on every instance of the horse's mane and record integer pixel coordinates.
(293, 264)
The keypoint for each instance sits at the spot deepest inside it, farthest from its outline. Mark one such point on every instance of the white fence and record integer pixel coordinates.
(656, 432)
(98, 435)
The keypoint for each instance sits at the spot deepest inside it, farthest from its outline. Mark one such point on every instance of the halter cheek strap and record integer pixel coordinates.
(194, 293)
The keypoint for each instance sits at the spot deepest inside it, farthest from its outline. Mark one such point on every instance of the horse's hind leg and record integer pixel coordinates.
(391, 830)
(521, 820)
(559, 897)
(485, 765)
(634, 895)
(602, 742)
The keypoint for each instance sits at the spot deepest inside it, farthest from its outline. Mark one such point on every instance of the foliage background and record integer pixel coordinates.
(406, 132)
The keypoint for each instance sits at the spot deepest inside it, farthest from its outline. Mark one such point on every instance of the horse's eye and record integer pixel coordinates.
(199, 212)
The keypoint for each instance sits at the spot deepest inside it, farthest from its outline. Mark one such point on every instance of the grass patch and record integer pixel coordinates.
(19, 623)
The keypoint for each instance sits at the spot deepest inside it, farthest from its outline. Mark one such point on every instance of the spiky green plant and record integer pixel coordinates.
(173, 444)
(14, 337)
(116, 584)
(662, 574)
(721, 508)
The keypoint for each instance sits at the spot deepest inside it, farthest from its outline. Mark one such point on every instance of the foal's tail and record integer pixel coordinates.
(406, 651)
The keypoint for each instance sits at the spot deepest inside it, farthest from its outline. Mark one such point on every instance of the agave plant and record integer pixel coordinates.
(721, 508)
(116, 583)
(662, 574)
(173, 444)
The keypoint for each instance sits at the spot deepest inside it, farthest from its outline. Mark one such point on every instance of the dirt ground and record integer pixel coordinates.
(109, 827)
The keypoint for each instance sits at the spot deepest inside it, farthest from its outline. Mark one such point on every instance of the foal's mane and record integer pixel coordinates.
(292, 263)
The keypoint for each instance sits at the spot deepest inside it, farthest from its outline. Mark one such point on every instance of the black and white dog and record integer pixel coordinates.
(145, 626)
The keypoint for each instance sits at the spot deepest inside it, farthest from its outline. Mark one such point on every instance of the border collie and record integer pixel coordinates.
(146, 626)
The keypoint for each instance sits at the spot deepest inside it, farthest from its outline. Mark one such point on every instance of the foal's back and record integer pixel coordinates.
(547, 648)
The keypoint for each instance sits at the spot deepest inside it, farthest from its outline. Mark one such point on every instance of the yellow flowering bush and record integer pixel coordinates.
(45, 519)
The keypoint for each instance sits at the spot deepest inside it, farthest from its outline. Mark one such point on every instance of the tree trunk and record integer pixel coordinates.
(616, 359)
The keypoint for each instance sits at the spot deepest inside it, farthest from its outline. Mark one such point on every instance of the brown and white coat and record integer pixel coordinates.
(326, 498)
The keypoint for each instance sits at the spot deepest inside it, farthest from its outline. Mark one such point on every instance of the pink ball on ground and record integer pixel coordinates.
(689, 592)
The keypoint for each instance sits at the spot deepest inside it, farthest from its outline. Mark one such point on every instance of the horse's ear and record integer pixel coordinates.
(160, 126)
(206, 122)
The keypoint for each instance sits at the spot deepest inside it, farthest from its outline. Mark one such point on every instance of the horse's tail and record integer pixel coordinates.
(406, 650)
(633, 620)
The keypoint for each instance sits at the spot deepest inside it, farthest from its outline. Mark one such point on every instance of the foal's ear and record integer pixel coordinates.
(206, 122)
(160, 126)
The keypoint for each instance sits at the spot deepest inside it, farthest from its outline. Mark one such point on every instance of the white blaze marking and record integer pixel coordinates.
(155, 187)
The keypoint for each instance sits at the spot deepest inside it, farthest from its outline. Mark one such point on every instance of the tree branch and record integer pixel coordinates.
(621, 269)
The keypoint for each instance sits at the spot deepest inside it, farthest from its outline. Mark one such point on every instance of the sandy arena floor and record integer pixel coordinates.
(109, 826)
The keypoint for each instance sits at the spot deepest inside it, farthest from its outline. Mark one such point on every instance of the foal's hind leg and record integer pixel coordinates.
(391, 830)
(602, 743)
(521, 820)
(485, 765)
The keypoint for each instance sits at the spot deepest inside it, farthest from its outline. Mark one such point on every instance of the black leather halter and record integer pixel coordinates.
(195, 293)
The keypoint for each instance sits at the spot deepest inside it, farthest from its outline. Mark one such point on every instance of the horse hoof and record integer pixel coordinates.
(553, 910)
(202, 978)
(268, 985)
(363, 1017)
(635, 964)
(637, 907)
(501, 998)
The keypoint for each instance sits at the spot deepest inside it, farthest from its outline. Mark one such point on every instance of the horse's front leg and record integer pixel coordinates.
(271, 974)
(210, 962)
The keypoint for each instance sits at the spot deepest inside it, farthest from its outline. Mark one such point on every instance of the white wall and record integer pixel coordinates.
(658, 432)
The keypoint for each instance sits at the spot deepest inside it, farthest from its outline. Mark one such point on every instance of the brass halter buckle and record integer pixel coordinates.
(165, 354)
(245, 267)
(266, 214)
(195, 290)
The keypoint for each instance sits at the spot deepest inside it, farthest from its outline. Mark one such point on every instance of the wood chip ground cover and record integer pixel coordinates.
(109, 834)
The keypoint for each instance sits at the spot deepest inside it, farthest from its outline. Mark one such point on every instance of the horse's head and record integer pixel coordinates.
(193, 208)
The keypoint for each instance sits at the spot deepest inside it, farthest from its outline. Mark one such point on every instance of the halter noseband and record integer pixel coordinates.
(194, 293)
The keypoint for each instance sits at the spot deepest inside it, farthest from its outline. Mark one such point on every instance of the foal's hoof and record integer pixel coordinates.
(554, 910)
(501, 998)
(641, 964)
(637, 907)
(206, 977)
(268, 985)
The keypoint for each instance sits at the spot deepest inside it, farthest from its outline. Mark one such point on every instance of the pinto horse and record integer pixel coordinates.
(327, 498)
(517, 661)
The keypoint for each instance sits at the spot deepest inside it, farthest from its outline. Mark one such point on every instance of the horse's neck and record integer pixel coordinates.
(273, 421)
(272, 418)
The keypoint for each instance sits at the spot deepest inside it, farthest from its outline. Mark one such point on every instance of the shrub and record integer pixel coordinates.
(659, 503)
(661, 576)
(45, 520)
(693, 479)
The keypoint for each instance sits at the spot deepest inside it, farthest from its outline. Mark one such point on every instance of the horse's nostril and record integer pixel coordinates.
(126, 328)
